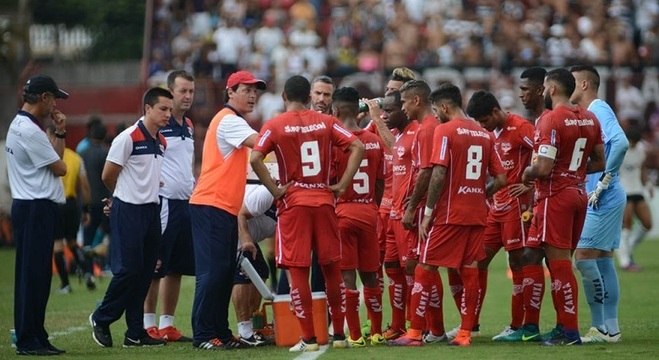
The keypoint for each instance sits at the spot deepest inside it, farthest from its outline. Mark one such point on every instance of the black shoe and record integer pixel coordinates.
(212, 344)
(90, 282)
(100, 334)
(252, 341)
(145, 340)
(36, 352)
(233, 343)
(53, 349)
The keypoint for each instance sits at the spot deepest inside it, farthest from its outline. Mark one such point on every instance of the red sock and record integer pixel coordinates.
(423, 281)
(470, 298)
(409, 281)
(352, 313)
(381, 279)
(482, 285)
(373, 300)
(455, 283)
(533, 289)
(565, 292)
(434, 314)
(397, 289)
(336, 295)
(301, 300)
(517, 300)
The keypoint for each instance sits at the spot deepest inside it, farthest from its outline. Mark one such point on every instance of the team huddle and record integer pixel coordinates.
(449, 188)
(431, 181)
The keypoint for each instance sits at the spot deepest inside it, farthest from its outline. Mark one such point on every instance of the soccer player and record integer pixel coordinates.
(34, 168)
(568, 144)
(416, 106)
(76, 190)
(513, 143)
(214, 206)
(601, 232)
(302, 140)
(357, 213)
(257, 220)
(634, 180)
(451, 232)
(132, 173)
(531, 90)
(397, 247)
(176, 254)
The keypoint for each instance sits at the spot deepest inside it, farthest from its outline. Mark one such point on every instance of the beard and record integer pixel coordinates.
(548, 103)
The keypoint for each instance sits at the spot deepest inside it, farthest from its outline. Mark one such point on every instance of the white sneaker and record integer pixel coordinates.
(594, 335)
(450, 335)
(304, 347)
(431, 338)
(505, 332)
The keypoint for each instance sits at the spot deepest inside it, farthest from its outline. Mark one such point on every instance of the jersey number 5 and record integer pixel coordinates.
(474, 162)
(310, 158)
(360, 181)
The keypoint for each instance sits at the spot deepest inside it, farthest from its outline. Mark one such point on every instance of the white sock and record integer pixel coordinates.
(245, 329)
(166, 320)
(623, 251)
(636, 238)
(149, 320)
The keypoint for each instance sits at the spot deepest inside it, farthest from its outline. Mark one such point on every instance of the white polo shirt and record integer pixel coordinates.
(141, 157)
(177, 177)
(29, 152)
(259, 203)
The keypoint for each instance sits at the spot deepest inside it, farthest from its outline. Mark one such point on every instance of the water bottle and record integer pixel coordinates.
(363, 107)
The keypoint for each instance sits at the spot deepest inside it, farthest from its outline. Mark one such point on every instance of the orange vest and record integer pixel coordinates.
(221, 183)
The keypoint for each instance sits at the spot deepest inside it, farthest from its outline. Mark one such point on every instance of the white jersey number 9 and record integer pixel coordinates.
(310, 158)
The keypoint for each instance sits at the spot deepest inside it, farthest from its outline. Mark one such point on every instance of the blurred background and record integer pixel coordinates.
(106, 53)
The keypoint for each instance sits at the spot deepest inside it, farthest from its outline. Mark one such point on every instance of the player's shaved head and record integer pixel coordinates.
(564, 79)
(346, 100)
(589, 73)
(416, 88)
(535, 75)
(297, 89)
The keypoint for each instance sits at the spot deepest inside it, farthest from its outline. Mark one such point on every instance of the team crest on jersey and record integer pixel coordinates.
(506, 147)
(400, 151)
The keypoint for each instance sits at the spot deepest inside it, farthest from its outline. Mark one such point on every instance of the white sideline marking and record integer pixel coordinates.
(68, 331)
(312, 355)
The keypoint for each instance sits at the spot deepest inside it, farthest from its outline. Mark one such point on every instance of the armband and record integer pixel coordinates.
(428, 211)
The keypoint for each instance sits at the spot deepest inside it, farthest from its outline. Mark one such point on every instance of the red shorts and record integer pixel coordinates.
(509, 234)
(383, 227)
(402, 244)
(558, 220)
(303, 228)
(452, 246)
(359, 241)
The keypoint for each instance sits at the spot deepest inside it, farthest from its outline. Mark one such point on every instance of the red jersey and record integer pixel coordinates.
(385, 203)
(514, 145)
(423, 143)
(402, 168)
(303, 142)
(567, 135)
(370, 169)
(467, 151)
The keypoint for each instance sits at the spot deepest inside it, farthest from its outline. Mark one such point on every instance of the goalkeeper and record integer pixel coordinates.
(606, 203)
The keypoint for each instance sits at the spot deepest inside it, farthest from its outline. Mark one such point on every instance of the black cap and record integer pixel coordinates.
(40, 84)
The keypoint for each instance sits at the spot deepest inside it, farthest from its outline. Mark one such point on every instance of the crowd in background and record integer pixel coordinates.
(211, 38)
(275, 39)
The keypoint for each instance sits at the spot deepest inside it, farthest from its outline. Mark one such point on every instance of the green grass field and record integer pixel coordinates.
(66, 321)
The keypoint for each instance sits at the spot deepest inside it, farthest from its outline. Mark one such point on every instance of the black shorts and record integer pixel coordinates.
(260, 265)
(635, 198)
(176, 252)
(69, 220)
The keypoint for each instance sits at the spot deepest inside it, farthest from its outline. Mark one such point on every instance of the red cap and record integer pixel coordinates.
(244, 77)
